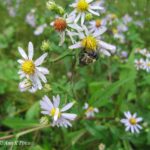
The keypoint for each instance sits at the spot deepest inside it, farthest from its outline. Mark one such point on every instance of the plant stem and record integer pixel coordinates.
(68, 53)
(24, 132)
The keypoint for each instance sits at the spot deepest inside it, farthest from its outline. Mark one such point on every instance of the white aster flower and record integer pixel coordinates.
(63, 26)
(146, 65)
(122, 28)
(131, 122)
(30, 18)
(27, 85)
(97, 26)
(111, 18)
(82, 7)
(139, 23)
(140, 64)
(91, 43)
(59, 117)
(40, 29)
(31, 69)
(127, 19)
(90, 111)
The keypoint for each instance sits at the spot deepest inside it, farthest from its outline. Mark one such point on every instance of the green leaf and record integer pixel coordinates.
(100, 98)
(18, 123)
(33, 111)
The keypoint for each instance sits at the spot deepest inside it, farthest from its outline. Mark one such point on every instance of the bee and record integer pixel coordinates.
(87, 57)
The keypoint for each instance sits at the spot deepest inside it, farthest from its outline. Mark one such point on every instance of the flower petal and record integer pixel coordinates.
(68, 106)
(40, 60)
(30, 50)
(22, 53)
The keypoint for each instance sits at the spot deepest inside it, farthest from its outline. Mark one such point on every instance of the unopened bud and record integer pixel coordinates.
(44, 120)
(45, 46)
(88, 17)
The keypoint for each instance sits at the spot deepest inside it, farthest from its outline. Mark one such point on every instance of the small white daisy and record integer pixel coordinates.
(63, 26)
(91, 43)
(90, 111)
(140, 64)
(82, 7)
(27, 85)
(31, 69)
(40, 29)
(60, 118)
(97, 26)
(131, 122)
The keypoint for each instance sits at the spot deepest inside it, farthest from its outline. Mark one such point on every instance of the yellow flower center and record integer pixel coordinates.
(82, 5)
(113, 16)
(132, 121)
(148, 64)
(90, 109)
(114, 30)
(98, 23)
(28, 67)
(90, 43)
(53, 111)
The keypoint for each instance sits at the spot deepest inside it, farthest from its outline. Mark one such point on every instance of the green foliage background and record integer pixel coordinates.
(108, 84)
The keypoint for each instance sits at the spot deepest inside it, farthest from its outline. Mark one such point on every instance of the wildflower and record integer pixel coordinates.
(30, 18)
(146, 65)
(63, 24)
(101, 146)
(127, 19)
(27, 85)
(124, 54)
(139, 23)
(131, 122)
(31, 69)
(140, 64)
(59, 117)
(90, 111)
(82, 7)
(91, 43)
(40, 29)
(97, 26)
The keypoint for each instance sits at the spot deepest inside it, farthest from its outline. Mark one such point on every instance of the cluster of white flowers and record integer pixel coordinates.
(143, 63)
(85, 35)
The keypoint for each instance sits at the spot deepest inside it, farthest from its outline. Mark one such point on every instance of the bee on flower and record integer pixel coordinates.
(90, 111)
(30, 69)
(91, 43)
(63, 26)
(132, 122)
(59, 117)
(82, 7)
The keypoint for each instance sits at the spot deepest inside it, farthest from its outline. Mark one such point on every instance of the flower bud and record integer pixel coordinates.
(44, 120)
(45, 46)
(88, 17)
